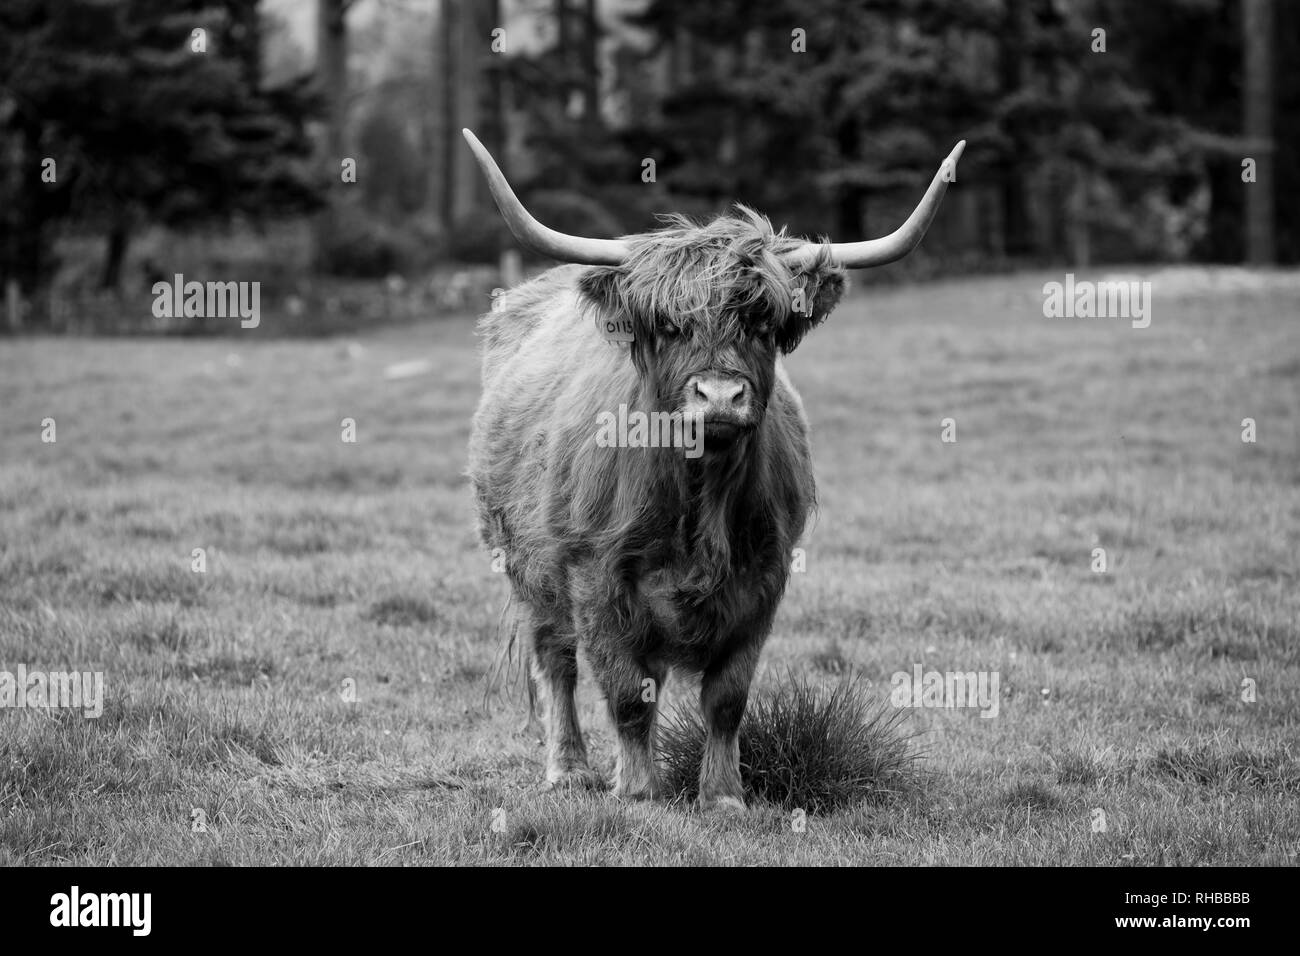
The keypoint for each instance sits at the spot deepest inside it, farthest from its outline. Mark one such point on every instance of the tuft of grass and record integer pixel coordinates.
(553, 826)
(402, 611)
(1031, 795)
(153, 627)
(805, 746)
(154, 584)
(227, 668)
(1076, 767)
(1087, 766)
(1273, 770)
(830, 659)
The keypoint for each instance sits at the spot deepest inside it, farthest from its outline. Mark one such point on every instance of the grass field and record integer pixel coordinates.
(332, 562)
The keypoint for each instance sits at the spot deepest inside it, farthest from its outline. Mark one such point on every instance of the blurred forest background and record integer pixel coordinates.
(128, 154)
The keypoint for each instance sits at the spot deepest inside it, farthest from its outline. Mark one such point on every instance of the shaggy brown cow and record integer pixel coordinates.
(648, 557)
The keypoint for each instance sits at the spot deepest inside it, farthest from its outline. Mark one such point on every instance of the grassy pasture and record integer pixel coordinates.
(330, 562)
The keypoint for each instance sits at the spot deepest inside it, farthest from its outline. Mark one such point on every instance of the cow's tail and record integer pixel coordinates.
(505, 666)
(513, 658)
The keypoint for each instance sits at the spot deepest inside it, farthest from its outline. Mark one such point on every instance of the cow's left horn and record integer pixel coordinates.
(539, 238)
(877, 252)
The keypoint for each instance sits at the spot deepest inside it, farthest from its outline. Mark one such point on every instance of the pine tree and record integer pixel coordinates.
(145, 120)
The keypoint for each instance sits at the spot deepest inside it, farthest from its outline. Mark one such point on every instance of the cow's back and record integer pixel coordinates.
(517, 314)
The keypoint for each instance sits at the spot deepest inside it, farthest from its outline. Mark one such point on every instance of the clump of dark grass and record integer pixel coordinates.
(830, 659)
(402, 610)
(156, 584)
(157, 627)
(1031, 795)
(555, 827)
(228, 669)
(1077, 766)
(804, 745)
(1207, 765)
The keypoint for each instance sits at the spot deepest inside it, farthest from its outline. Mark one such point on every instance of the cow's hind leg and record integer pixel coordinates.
(554, 664)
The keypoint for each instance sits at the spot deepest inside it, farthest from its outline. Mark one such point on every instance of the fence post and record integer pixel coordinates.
(511, 268)
(13, 304)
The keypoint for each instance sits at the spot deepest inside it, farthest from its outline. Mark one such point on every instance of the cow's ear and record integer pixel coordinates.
(601, 288)
(602, 291)
(818, 292)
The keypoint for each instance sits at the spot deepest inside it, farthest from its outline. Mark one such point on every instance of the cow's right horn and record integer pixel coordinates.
(877, 252)
(539, 238)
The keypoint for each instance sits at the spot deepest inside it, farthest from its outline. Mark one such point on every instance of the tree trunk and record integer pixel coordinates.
(488, 73)
(448, 24)
(431, 119)
(681, 61)
(852, 199)
(1078, 228)
(591, 67)
(564, 58)
(473, 33)
(1257, 54)
(488, 80)
(119, 237)
(564, 40)
(332, 75)
(27, 243)
(1016, 237)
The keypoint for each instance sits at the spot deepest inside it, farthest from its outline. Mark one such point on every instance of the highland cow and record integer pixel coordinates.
(647, 558)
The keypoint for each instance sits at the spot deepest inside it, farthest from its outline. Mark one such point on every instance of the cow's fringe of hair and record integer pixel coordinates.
(734, 269)
(732, 265)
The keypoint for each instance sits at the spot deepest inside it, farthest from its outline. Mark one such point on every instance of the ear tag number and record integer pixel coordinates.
(614, 330)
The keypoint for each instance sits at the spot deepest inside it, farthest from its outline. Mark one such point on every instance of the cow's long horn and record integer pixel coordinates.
(877, 252)
(539, 238)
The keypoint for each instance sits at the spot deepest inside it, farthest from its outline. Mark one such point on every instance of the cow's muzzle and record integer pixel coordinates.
(724, 404)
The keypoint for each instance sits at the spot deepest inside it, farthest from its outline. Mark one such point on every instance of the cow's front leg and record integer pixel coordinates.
(724, 692)
(631, 689)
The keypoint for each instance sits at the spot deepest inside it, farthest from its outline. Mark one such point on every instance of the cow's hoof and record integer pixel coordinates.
(578, 778)
(651, 792)
(722, 804)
